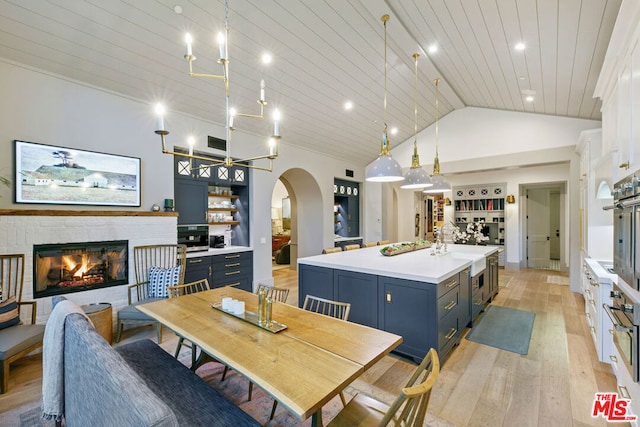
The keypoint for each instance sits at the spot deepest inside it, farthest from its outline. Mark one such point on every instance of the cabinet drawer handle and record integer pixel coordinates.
(231, 273)
(231, 256)
(450, 305)
(611, 332)
(451, 283)
(234, 284)
(593, 302)
(451, 333)
(624, 394)
(613, 358)
(593, 329)
(476, 286)
(210, 271)
(478, 302)
(235, 264)
(588, 315)
(195, 261)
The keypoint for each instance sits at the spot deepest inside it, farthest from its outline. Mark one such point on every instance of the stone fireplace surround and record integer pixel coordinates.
(21, 229)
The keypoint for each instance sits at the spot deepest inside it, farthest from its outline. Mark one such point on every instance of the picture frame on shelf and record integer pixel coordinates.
(50, 174)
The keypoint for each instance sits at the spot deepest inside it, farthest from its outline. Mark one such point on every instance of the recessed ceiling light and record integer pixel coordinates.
(266, 58)
(529, 98)
(348, 105)
(520, 46)
(521, 77)
(394, 130)
(433, 48)
(177, 9)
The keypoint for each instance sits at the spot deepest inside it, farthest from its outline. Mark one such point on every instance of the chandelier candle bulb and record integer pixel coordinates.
(160, 113)
(189, 40)
(261, 90)
(221, 45)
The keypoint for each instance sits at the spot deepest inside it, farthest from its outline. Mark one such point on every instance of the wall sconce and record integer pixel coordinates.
(511, 198)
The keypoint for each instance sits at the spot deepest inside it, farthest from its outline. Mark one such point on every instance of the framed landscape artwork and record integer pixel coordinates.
(59, 175)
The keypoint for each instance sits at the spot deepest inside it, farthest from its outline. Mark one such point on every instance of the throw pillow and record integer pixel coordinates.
(9, 315)
(160, 279)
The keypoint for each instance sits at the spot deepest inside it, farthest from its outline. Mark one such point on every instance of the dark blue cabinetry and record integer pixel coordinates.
(360, 290)
(425, 314)
(232, 269)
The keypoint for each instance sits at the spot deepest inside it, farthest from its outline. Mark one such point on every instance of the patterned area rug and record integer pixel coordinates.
(235, 388)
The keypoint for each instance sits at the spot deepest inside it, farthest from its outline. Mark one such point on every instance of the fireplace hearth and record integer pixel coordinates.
(75, 267)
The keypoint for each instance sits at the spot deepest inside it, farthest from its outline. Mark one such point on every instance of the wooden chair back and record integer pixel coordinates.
(351, 247)
(332, 250)
(410, 407)
(11, 276)
(339, 310)
(163, 256)
(370, 244)
(188, 288)
(276, 294)
(383, 242)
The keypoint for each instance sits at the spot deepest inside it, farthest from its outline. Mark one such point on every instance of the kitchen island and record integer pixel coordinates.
(428, 299)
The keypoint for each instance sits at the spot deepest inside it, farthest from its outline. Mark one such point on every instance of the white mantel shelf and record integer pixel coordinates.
(417, 265)
(60, 212)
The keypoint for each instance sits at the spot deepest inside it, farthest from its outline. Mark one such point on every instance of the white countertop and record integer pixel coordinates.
(598, 269)
(418, 265)
(343, 239)
(219, 251)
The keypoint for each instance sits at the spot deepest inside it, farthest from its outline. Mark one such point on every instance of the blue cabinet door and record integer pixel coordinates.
(361, 291)
(408, 308)
(316, 281)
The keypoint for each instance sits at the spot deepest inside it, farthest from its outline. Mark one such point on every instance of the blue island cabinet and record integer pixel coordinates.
(426, 315)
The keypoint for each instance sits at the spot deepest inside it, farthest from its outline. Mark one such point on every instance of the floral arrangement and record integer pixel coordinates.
(473, 230)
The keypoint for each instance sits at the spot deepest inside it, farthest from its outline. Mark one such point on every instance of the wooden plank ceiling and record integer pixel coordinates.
(325, 52)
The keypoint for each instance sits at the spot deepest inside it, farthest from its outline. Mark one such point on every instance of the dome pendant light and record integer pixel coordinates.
(440, 184)
(384, 168)
(416, 178)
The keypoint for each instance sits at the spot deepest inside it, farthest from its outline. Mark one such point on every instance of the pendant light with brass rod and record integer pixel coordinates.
(440, 184)
(384, 168)
(417, 177)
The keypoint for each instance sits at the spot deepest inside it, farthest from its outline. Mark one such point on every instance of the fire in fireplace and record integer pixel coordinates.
(74, 267)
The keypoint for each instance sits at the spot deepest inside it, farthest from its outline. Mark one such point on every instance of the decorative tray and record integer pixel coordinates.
(401, 248)
(251, 317)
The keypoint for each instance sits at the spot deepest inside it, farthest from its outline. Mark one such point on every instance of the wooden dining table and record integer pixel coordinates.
(303, 366)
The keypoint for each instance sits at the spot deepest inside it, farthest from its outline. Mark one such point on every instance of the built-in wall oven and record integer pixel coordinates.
(625, 316)
(626, 230)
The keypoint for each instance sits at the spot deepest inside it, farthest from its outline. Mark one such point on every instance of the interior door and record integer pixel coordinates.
(538, 223)
(554, 225)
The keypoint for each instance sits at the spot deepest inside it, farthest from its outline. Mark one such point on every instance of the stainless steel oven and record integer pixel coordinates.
(625, 316)
(626, 222)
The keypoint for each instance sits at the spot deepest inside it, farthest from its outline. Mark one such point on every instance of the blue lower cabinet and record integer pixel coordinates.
(232, 269)
(316, 281)
(360, 290)
(408, 308)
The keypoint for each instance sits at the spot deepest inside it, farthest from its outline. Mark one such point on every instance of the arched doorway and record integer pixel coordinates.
(306, 207)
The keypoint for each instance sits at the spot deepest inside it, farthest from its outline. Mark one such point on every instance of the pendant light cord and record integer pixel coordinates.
(436, 162)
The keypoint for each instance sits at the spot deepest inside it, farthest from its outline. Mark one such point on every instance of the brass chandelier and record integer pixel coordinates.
(231, 114)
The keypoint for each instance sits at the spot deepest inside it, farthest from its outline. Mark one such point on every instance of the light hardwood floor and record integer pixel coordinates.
(553, 385)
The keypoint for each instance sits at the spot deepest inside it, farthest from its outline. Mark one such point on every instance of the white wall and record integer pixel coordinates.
(41, 107)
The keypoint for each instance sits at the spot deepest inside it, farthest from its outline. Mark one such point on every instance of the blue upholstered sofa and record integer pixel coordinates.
(137, 384)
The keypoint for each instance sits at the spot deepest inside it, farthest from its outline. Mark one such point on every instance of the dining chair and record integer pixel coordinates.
(17, 339)
(156, 268)
(276, 294)
(186, 289)
(339, 310)
(383, 242)
(370, 244)
(408, 409)
(351, 247)
(332, 250)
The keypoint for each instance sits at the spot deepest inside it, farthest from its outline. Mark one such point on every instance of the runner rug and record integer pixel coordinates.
(504, 328)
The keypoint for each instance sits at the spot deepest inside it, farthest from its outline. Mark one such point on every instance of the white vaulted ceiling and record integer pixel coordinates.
(325, 53)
